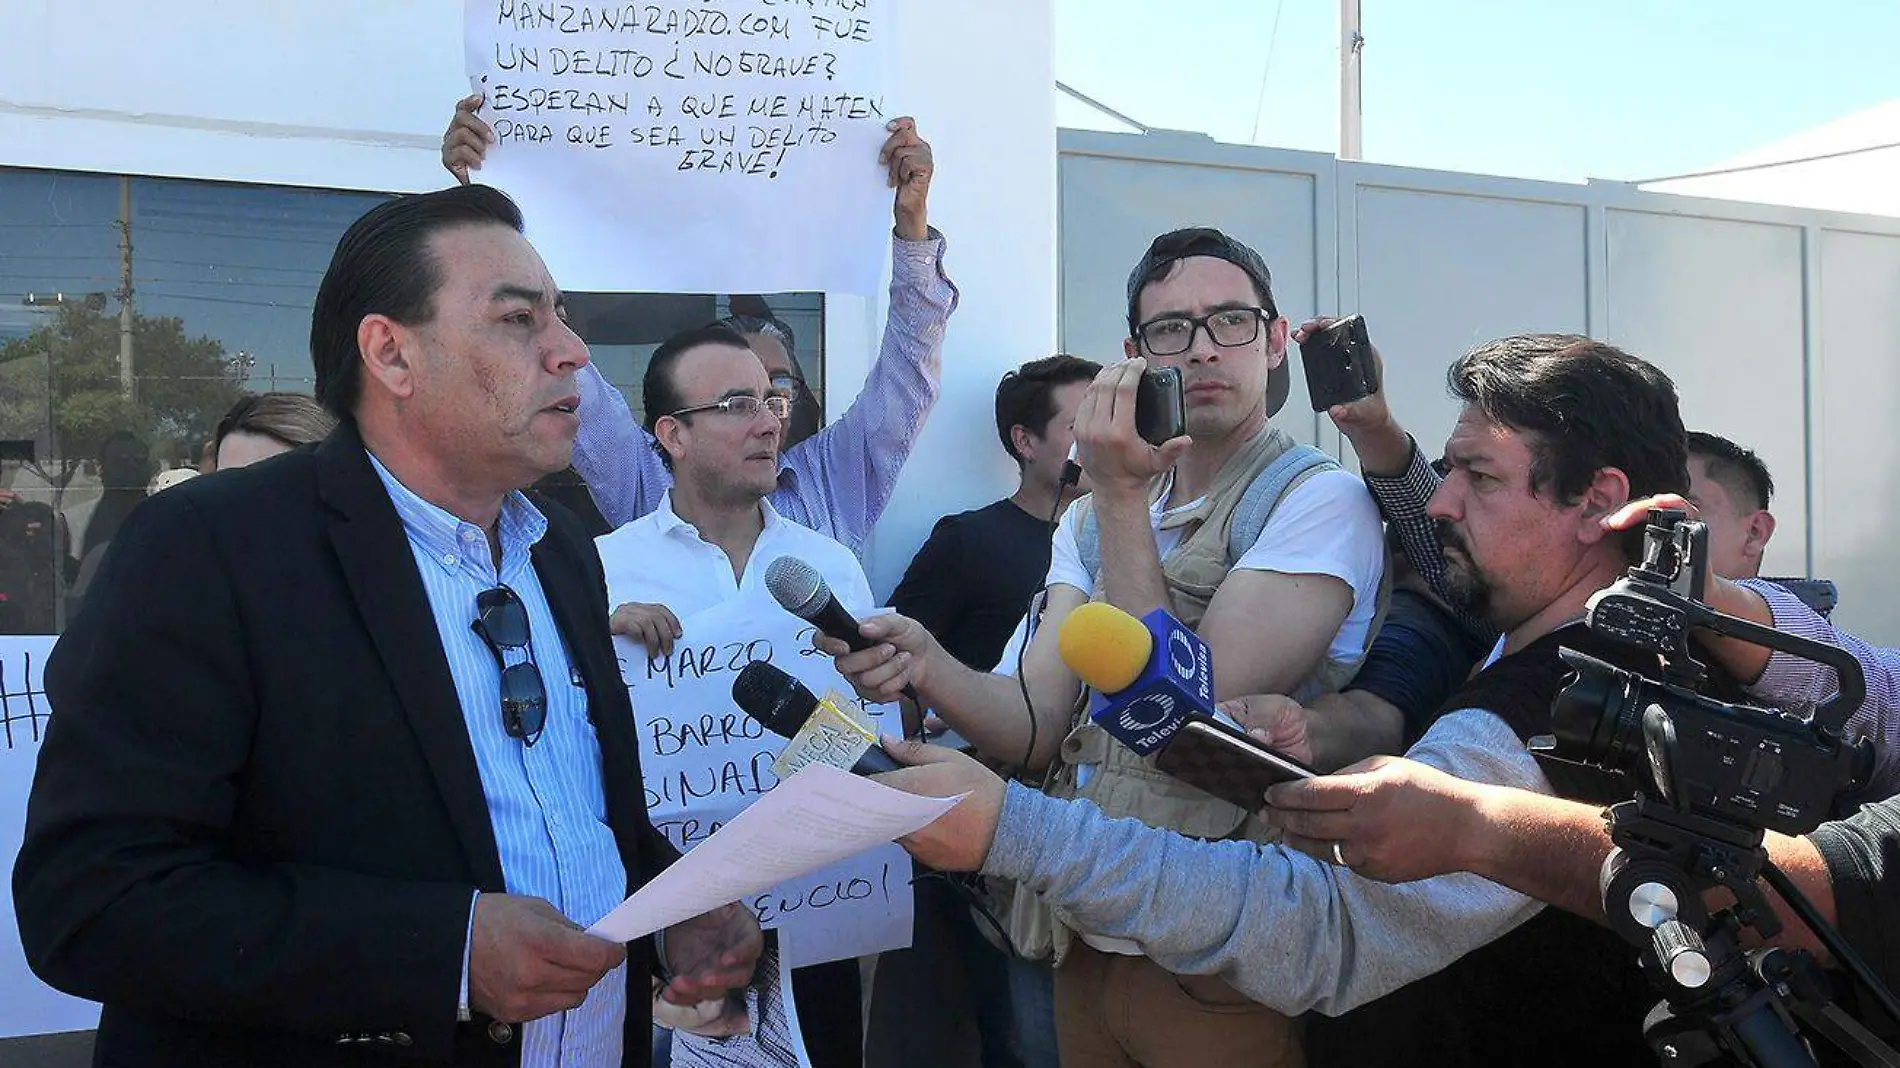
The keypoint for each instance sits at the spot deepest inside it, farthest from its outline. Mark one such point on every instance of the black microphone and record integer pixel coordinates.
(801, 590)
(818, 730)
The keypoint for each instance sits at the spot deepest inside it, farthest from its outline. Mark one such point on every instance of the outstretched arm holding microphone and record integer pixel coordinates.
(1286, 930)
(1257, 909)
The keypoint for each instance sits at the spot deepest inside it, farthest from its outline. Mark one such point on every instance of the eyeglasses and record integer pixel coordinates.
(1171, 335)
(743, 405)
(501, 621)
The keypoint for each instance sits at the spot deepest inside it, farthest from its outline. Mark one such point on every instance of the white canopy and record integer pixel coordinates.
(1846, 179)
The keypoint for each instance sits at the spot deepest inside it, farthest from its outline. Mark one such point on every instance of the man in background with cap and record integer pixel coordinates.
(1288, 606)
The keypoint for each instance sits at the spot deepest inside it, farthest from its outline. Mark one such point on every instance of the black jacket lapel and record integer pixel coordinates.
(376, 559)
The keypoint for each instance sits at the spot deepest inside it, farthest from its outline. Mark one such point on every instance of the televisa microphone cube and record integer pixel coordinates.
(1175, 673)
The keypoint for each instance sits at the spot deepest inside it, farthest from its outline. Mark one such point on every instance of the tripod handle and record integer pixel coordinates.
(1851, 682)
(1679, 949)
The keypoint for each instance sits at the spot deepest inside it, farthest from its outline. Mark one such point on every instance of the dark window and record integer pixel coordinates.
(133, 311)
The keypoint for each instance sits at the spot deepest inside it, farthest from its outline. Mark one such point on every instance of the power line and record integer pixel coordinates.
(313, 271)
(163, 280)
(235, 268)
(1769, 165)
(59, 283)
(239, 219)
(341, 216)
(49, 289)
(326, 210)
(237, 237)
(35, 275)
(1101, 107)
(1260, 101)
(280, 306)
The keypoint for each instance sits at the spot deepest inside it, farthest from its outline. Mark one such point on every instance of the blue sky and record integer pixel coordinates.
(1559, 89)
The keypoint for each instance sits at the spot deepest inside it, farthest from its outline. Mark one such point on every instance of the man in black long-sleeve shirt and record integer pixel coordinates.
(971, 582)
(970, 585)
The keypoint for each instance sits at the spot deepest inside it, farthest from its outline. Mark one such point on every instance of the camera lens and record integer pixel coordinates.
(1595, 715)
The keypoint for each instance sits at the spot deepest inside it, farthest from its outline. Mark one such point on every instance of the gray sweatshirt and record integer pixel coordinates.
(1288, 931)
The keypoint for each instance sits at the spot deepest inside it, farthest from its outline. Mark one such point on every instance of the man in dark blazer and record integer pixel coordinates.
(340, 759)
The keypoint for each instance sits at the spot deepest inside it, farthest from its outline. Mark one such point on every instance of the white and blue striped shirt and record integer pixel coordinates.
(546, 802)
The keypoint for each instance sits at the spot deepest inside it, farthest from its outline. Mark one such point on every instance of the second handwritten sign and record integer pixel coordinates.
(704, 760)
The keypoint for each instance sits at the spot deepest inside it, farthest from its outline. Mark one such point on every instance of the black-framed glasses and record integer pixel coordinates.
(1171, 335)
(501, 621)
(743, 405)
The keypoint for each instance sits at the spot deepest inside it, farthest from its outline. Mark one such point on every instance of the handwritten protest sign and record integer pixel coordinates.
(692, 146)
(27, 1006)
(704, 760)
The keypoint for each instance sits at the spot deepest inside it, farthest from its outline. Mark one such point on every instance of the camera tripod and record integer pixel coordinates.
(1718, 996)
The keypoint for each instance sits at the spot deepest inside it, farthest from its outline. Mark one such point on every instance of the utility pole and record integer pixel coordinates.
(125, 286)
(1351, 44)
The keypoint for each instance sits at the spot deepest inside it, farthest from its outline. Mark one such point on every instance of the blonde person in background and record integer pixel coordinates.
(261, 425)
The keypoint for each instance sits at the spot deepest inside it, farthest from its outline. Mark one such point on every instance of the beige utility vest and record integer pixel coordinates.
(1123, 783)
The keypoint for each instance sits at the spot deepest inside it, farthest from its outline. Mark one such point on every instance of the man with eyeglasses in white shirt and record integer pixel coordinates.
(718, 424)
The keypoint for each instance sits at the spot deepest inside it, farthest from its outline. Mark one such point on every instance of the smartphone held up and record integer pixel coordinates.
(1339, 364)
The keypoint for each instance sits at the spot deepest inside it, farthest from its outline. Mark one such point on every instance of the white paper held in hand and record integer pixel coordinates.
(819, 816)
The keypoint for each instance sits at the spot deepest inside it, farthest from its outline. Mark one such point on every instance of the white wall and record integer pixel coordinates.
(348, 94)
(978, 73)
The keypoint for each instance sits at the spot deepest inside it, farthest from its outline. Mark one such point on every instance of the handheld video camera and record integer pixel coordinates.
(1742, 764)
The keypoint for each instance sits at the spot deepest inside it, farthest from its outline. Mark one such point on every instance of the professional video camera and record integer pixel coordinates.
(1713, 776)
(1758, 767)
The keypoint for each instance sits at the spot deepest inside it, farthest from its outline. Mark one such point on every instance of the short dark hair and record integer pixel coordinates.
(1738, 469)
(1026, 397)
(292, 419)
(659, 392)
(383, 266)
(1584, 406)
